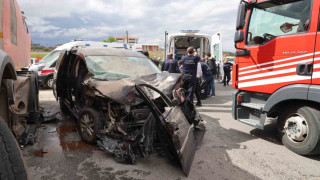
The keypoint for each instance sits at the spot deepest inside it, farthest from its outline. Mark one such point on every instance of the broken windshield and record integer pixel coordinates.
(116, 68)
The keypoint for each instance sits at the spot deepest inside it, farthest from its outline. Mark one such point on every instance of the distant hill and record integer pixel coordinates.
(226, 53)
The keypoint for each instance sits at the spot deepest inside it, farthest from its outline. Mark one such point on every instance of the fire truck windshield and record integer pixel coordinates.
(270, 20)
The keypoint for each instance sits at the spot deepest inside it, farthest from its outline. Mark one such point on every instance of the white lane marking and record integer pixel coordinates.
(277, 66)
(281, 60)
(273, 81)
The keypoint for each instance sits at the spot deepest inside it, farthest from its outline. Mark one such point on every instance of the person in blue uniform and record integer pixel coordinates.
(170, 65)
(227, 70)
(211, 62)
(207, 77)
(180, 66)
(190, 64)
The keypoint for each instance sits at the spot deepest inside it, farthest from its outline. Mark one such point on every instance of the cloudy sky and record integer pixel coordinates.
(59, 21)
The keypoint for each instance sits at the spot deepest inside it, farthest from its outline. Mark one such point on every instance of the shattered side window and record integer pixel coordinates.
(116, 68)
(61, 55)
(53, 55)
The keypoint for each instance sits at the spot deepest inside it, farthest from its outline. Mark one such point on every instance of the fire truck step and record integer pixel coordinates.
(252, 122)
(253, 106)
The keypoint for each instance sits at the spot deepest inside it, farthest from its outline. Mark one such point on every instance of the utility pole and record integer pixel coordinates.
(165, 44)
(127, 37)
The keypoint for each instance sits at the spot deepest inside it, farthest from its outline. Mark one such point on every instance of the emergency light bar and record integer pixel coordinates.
(190, 31)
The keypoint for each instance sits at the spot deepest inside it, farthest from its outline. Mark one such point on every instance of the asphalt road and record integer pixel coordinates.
(230, 150)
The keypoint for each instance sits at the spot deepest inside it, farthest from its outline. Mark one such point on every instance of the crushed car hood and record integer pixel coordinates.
(124, 91)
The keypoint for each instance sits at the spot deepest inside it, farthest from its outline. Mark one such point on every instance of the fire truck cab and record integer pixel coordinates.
(277, 70)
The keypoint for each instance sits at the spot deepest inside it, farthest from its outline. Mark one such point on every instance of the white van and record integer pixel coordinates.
(45, 67)
(137, 48)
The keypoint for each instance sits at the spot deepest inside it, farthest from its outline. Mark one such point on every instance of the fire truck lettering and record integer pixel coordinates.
(294, 52)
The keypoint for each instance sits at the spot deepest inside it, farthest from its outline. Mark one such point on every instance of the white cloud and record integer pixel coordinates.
(146, 19)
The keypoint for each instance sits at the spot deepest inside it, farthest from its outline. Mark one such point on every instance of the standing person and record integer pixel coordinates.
(198, 90)
(207, 77)
(160, 62)
(211, 62)
(190, 64)
(180, 66)
(170, 64)
(227, 70)
(146, 53)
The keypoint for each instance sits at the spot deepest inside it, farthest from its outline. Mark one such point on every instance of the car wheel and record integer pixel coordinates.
(11, 162)
(300, 130)
(90, 123)
(49, 82)
(64, 109)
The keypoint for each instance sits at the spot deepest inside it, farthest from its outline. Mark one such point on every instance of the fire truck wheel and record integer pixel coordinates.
(300, 130)
(11, 162)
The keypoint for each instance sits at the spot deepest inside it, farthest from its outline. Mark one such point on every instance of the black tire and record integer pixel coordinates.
(48, 82)
(64, 109)
(11, 162)
(311, 119)
(94, 125)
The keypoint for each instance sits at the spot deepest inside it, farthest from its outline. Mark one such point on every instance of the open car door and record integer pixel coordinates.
(58, 73)
(181, 129)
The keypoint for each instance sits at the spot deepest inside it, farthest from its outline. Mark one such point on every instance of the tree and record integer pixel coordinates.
(110, 39)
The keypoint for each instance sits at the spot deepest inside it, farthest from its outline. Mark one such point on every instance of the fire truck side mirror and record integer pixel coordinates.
(241, 16)
(239, 36)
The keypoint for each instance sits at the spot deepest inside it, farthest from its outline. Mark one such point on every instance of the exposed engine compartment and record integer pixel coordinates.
(157, 125)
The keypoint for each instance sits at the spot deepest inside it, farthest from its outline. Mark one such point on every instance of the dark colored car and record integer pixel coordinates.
(121, 100)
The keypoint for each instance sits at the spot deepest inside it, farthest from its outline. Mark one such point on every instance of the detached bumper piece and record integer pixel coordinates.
(176, 129)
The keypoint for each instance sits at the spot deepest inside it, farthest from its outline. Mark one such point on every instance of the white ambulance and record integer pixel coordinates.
(178, 44)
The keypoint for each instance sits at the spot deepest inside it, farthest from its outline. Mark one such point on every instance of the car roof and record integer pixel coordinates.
(104, 51)
(70, 45)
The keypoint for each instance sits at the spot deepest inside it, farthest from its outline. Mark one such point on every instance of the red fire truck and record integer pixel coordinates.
(18, 90)
(277, 70)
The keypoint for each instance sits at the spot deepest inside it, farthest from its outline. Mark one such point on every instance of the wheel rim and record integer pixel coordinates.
(296, 128)
(50, 82)
(87, 125)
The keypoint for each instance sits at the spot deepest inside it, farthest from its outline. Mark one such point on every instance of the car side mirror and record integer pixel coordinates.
(241, 16)
(239, 36)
